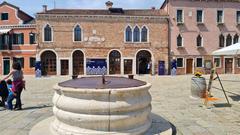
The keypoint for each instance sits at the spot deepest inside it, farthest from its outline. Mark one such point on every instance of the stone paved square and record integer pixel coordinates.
(170, 100)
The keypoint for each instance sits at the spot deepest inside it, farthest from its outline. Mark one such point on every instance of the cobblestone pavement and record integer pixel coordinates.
(170, 100)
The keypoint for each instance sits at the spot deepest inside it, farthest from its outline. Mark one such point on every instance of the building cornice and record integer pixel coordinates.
(18, 26)
(96, 17)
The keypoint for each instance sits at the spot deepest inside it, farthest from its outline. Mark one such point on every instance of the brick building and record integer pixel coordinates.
(199, 27)
(17, 39)
(109, 41)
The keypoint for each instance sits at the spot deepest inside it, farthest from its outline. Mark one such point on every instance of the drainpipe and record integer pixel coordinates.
(169, 46)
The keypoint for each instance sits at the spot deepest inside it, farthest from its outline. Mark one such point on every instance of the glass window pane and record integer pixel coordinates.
(144, 34)
(199, 16)
(199, 62)
(136, 34)
(179, 62)
(179, 16)
(128, 34)
(77, 33)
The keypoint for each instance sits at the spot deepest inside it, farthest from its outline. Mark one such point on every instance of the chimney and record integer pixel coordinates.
(153, 8)
(109, 4)
(44, 8)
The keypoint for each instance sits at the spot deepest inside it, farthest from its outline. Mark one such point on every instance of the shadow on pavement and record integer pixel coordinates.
(222, 105)
(235, 98)
(160, 125)
(36, 107)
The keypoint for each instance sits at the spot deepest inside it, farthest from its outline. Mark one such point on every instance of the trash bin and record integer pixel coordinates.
(198, 87)
(161, 68)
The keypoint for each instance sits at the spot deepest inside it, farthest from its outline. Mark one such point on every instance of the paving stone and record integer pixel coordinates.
(171, 102)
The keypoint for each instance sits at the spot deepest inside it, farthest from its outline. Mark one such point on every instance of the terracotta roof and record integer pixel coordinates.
(112, 11)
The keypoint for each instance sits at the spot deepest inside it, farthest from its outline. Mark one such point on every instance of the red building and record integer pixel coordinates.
(17, 39)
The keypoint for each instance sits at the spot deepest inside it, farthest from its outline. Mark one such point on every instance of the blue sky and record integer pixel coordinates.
(33, 6)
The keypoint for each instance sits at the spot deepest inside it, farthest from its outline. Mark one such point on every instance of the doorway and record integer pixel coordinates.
(228, 65)
(64, 67)
(143, 62)
(114, 62)
(189, 66)
(49, 63)
(6, 66)
(128, 66)
(78, 63)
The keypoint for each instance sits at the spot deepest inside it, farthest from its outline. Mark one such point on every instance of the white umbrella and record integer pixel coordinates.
(230, 50)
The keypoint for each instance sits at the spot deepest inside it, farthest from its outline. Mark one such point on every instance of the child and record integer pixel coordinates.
(11, 94)
(3, 92)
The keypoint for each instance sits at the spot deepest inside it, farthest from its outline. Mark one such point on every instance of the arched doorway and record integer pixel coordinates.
(49, 63)
(143, 62)
(78, 62)
(114, 62)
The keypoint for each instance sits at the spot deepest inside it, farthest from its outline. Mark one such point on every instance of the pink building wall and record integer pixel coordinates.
(209, 30)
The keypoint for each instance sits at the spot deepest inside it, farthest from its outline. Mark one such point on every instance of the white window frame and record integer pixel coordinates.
(202, 16)
(43, 32)
(222, 16)
(183, 60)
(182, 16)
(220, 64)
(147, 34)
(73, 34)
(125, 34)
(202, 62)
(140, 31)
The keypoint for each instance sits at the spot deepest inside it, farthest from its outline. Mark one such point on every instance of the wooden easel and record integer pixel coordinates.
(208, 96)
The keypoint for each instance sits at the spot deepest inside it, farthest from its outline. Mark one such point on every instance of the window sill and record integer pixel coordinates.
(48, 42)
(77, 42)
(220, 23)
(136, 42)
(200, 47)
(180, 47)
(200, 23)
(180, 23)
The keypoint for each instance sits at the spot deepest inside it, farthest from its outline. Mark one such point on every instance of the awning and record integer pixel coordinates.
(3, 31)
(230, 50)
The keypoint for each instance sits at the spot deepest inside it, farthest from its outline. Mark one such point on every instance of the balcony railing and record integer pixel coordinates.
(5, 47)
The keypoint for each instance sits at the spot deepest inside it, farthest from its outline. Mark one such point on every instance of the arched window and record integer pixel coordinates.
(199, 41)
(128, 34)
(77, 33)
(47, 33)
(136, 34)
(144, 34)
(229, 40)
(221, 41)
(179, 41)
(235, 39)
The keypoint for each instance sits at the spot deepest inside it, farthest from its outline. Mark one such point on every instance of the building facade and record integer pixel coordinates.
(199, 27)
(96, 42)
(17, 39)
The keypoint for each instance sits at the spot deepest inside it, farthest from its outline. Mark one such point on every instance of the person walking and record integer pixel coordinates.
(174, 67)
(17, 84)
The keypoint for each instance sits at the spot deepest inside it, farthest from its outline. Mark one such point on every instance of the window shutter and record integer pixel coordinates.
(22, 38)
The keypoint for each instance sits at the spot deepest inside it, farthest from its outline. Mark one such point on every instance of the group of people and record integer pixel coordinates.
(12, 89)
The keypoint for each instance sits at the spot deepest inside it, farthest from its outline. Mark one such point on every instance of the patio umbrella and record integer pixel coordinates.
(230, 50)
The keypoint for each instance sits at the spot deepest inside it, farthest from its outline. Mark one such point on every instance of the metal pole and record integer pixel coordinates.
(222, 88)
